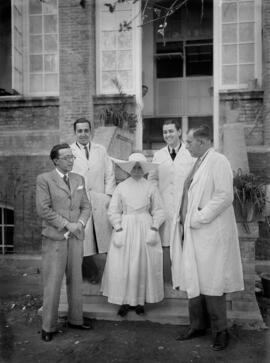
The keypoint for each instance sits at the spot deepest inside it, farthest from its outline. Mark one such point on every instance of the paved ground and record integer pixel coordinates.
(20, 297)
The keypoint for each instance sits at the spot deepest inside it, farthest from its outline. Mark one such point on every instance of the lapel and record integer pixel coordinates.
(59, 181)
(80, 153)
(202, 168)
(168, 155)
(72, 182)
(181, 152)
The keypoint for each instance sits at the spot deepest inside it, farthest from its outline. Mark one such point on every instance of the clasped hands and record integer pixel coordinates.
(74, 228)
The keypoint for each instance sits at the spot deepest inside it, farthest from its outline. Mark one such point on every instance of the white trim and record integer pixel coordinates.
(137, 76)
(258, 41)
(216, 69)
(98, 42)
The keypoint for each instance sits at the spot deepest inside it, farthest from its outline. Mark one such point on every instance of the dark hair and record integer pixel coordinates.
(172, 121)
(202, 131)
(81, 120)
(54, 154)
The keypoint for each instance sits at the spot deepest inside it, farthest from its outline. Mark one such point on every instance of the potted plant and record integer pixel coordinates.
(119, 114)
(249, 198)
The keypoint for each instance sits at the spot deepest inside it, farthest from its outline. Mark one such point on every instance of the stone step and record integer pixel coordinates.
(165, 312)
(168, 311)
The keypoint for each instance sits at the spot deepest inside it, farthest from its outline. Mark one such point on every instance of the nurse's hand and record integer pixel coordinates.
(118, 238)
(152, 237)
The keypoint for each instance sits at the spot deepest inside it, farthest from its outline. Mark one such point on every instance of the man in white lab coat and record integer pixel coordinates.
(211, 262)
(93, 163)
(175, 164)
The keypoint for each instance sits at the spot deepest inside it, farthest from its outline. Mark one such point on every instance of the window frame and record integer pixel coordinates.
(25, 88)
(257, 44)
(3, 245)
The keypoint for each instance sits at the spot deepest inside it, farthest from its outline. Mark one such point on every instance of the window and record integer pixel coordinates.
(118, 52)
(43, 47)
(184, 59)
(240, 38)
(6, 230)
(29, 47)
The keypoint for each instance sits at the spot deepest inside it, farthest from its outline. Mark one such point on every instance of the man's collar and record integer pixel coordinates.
(81, 146)
(60, 173)
(204, 155)
(176, 149)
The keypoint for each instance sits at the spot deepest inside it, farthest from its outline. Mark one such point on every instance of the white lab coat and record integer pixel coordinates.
(170, 178)
(99, 177)
(211, 261)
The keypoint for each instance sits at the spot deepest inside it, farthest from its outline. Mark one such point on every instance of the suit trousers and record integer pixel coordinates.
(208, 311)
(59, 258)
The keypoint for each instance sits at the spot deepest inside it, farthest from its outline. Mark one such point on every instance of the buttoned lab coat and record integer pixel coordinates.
(170, 178)
(99, 177)
(211, 261)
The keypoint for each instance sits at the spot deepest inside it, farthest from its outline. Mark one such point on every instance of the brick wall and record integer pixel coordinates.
(245, 107)
(17, 179)
(77, 63)
(29, 127)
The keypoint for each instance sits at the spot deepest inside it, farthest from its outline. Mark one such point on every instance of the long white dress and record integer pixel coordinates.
(133, 273)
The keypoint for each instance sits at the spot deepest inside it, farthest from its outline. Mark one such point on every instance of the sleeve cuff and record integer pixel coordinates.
(82, 222)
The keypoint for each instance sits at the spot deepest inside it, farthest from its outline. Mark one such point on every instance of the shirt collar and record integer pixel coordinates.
(176, 149)
(60, 173)
(204, 155)
(81, 146)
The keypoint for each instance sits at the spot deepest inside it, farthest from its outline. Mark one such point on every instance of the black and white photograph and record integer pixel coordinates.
(134, 181)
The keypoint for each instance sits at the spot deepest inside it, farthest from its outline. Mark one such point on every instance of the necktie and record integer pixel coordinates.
(66, 180)
(86, 152)
(173, 154)
(188, 181)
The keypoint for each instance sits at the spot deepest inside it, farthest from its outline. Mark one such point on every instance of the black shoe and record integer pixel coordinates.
(221, 340)
(123, 310)
(46, 336)
(139, 310)
(84, 326)
(191, 333)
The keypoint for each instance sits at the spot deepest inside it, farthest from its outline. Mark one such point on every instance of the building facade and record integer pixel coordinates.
(60, 60)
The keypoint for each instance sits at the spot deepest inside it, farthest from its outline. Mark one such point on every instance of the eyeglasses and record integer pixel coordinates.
(67, 158)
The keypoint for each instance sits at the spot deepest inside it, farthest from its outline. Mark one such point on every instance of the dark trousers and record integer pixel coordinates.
(208, 311)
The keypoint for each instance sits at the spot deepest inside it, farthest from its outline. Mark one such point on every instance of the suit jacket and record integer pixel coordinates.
(57, 204)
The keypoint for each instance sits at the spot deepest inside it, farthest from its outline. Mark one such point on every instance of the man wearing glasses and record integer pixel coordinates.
(64, 208)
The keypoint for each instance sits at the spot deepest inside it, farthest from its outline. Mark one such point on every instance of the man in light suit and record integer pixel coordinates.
(211, 262)
(175, 164)
(63, 205)
(93, 163)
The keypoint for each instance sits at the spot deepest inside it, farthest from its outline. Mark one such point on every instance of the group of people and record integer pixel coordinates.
(182, 201)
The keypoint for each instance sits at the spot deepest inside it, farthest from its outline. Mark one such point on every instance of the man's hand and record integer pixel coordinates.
(74, 228)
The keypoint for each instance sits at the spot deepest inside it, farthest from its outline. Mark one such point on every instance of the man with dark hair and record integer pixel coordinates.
(175, 164)
(93, 163)
(64, 208)
(211, 262)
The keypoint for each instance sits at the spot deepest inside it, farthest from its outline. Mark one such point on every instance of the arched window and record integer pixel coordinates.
(6, 229)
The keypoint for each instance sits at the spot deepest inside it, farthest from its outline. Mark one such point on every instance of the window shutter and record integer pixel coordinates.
(17, 46)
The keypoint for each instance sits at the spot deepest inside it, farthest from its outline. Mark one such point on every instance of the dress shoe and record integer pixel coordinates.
(221, 340)
(84, 326)
(191, 333)
(139, 310)
(46, 336)
(123, 310)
